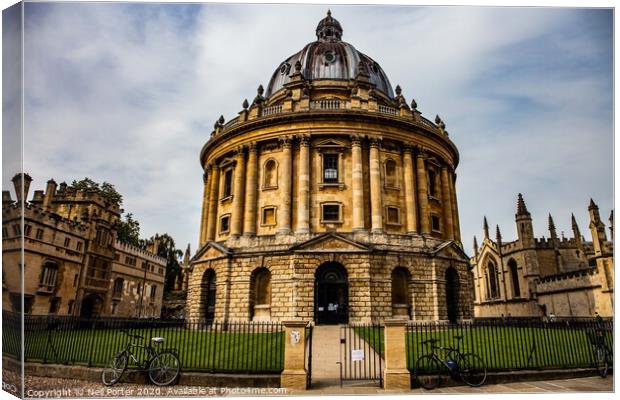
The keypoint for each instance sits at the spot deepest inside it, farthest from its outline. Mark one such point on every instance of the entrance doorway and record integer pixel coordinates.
(91, 306)
(331, 294)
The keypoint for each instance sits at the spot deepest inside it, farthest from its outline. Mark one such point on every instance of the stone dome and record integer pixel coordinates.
(329, 58)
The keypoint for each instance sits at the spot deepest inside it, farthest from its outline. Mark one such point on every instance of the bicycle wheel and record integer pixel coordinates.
(115, 368)
(164, 368)
(602, 364)
(428, 372)
(472, 369)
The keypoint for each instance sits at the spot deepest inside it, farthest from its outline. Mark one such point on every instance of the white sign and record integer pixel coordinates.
(357, 355)
(321, 308)
(295, 336)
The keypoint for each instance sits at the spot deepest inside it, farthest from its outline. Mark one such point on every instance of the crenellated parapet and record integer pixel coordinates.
(139, 252)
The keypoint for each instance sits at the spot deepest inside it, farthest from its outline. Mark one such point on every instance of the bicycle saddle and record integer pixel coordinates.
(158, 339)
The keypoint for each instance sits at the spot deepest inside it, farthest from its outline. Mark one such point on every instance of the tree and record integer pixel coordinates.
(106, 190)
(128, 230)
(167, 249)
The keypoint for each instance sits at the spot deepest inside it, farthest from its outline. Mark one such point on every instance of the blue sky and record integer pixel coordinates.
(128, 93)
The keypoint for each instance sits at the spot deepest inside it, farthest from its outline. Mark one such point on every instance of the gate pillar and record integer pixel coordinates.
(294, 375)
(395, 375)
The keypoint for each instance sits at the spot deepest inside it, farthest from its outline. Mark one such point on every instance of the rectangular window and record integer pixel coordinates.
(75, 280)
(67, 242)
(153, 292)
(17, 230)
(78, 247)
(117, 256)
(331, 213)
(393, 216)
(27, 230)
(330, 168)
(435, 223)
(5, 232)
(431, 183)
(39, 234)
(228, 177)
(70, 309)
(160, 271)
(269, 216)
(225, 224)
(144, 265)
(54, 305)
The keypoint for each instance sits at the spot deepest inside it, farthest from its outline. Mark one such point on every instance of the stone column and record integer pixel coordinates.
(284, 217)
(294, 374)
(455, 208)
(213, 199)
(423, 194)
(238, 194)
(446, 200)
(357, 183)
(376, 204)
(251, 187)
(303, 202)
(409, 189)
(205, 207)
(395, 375)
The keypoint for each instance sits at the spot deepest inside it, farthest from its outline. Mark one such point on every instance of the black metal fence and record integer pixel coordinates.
(208, 346)
(361, 353)
(516, 344)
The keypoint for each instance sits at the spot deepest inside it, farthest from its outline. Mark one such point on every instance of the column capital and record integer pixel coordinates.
(240, 150)
(287, 141)
(375, 142)
(253, 147)
(407, 147)
(304, 140)
(422, 152)
(356, 140)
(209, 168)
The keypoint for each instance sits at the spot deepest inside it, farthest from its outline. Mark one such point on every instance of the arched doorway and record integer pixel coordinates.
(207, 290)
(260, 295)
(452, 294)
(91, 306)
(331, 294)
(401, 306)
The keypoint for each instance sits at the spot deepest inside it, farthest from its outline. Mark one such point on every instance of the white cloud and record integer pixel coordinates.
(129, 94)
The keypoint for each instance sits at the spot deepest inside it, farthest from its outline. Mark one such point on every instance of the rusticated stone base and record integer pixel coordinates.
(293, 379)
(396, 379)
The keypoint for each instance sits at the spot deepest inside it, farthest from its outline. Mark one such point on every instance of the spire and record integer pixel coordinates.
(592, 204)
(498, 236)
(475, 247)
(521, 208)
(485, 226)
(187, 256)
(552, 231)
(576, 233)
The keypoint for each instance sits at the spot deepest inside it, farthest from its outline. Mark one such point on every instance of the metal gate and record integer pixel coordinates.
(308, 355)
(361, 353)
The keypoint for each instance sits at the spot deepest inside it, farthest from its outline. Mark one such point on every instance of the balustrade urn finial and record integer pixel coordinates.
(245, 104)
(414, 105)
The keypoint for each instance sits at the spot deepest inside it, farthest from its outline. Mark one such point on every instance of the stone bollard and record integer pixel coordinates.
(396, 375)
(294, 375)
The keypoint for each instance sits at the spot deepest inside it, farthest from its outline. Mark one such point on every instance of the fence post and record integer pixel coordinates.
(294, 374)
(395, 375)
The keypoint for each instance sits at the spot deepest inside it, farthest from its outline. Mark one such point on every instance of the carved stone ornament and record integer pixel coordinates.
(295, 337)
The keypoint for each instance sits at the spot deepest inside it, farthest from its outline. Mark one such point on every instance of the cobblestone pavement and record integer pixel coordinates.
(59, 387)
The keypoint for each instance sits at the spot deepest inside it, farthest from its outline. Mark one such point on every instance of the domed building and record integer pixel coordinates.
(329, 199)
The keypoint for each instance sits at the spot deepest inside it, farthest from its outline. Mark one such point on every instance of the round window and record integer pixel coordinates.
(329, 56)
(285, 68)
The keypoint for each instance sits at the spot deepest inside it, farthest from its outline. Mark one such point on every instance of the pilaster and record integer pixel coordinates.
(376, 201)
(251, 187)
(213, 198)
(447, 204)
(284, 217)
(303, 206)
(409, 188)
(357, 183)
(238, 194)
(423, 193)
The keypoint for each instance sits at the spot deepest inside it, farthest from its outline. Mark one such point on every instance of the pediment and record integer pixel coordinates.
(450, 249)
(331, 242)
(210, 251)
(330, 143)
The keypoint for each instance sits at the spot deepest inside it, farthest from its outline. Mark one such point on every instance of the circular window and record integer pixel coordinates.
(329, 56)
(375, 67)
(285, 68)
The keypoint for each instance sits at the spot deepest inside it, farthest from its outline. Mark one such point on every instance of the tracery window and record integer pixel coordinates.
(512, 266)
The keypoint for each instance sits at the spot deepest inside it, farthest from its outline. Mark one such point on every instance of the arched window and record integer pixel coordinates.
(452, 294)
(512, 266)
(400, 293)
(270, 175)
(391, 177)
(207, 296)
(492, 284)
(260, 294)
(118, 287)
(432, 187)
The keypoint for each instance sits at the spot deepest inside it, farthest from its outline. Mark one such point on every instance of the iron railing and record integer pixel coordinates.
(515, 344)
(208, 346)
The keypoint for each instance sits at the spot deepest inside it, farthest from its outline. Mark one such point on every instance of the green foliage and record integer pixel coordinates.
(106, 190)
(128, 230)
(166, 248)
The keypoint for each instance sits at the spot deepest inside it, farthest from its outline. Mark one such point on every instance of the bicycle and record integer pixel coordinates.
(162, 366)
(602, 353)
(469, 367)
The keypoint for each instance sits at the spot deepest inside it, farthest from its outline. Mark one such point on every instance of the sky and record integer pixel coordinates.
(128, 93)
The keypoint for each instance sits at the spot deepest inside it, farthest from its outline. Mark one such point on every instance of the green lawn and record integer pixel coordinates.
(198, 349)
(501, 347)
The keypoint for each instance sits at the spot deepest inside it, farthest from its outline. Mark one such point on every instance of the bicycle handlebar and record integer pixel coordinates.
(126, 332)
(432, 341)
